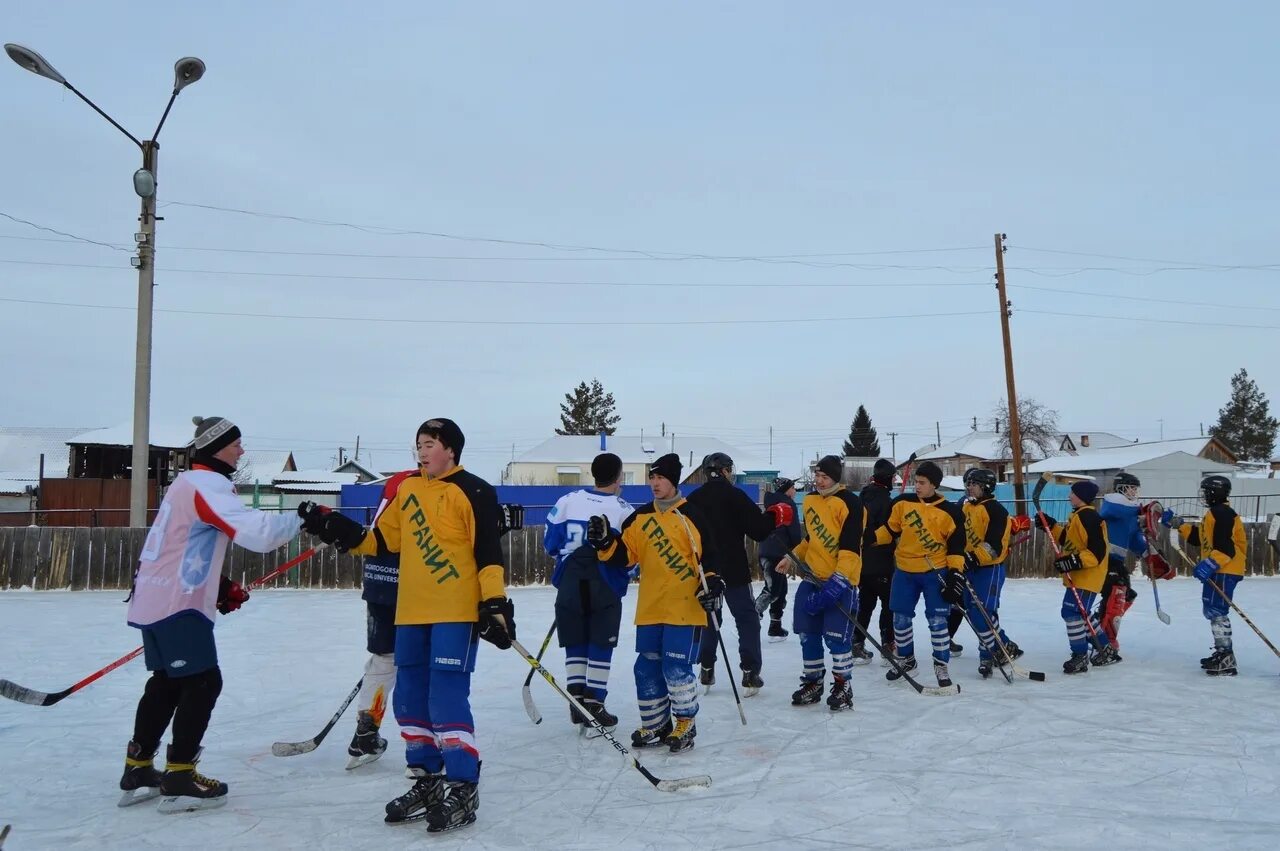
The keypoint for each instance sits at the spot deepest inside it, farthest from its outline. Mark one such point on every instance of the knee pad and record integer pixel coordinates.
(901, 622)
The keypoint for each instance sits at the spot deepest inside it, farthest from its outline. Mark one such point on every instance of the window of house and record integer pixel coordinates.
(568, 475)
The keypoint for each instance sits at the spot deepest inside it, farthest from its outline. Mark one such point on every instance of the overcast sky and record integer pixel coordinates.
(893, 140)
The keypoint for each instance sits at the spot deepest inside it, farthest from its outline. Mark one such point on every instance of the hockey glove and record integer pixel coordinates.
(1206, 569)
(971, 561)
(1156, 566)
(953, 587)
(313, 517)
(782, 513)
(1020, 523)
(1045, 520)
(230, 596)
(342, 532)
(511, 518)
(826, 596)
(598, 532)
(498, 621)
(1068, 563)
(1170, 520)
(710, 596)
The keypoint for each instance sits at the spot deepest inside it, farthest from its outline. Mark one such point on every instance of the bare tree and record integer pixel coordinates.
(1037, 425)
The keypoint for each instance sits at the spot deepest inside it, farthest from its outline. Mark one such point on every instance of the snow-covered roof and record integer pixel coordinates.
(977, 444)
(1122, 457)
(22, 446)
(164, 434)
(262, 465)
(314, 477)
(580, 449)
(1097, 439)
(310, 487)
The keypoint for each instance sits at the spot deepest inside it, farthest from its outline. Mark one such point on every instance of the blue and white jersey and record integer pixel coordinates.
(567, 530)
(1123, 532)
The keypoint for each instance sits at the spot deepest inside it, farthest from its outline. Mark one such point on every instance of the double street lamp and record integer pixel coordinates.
(186, 71)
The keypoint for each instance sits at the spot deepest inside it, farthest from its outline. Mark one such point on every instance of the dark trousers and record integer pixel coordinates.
(874, 588)
(187, 702)
(742, 607)
(776, 584)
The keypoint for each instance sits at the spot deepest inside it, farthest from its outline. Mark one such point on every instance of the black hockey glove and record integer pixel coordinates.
(1068, 563)
(709, 597)
(598, 532)
(342, 532)
(511, 518)
(498, 621)
(953, 588)
(313, 517)
(971, 561)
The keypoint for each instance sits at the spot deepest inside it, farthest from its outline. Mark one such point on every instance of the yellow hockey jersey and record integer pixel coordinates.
(1220, 536)
(1085, 534)
(986, 522)
(833, 534)
(930, 533)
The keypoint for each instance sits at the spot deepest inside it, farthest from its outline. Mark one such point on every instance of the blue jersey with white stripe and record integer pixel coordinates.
(566, 531)
(1123, 533)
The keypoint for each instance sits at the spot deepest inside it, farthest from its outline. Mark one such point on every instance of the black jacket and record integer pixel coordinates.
(731, 514)
(878, 501)
(780, 540)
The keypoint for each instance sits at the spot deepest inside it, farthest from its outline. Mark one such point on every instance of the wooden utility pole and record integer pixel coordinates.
(893, 446)
(1015, 432)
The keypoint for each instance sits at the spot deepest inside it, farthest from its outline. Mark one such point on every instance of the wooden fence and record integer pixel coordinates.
(56, 558)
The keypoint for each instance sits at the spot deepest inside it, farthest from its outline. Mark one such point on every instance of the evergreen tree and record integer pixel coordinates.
(862, 441)
(1245, 423)
(588, 410)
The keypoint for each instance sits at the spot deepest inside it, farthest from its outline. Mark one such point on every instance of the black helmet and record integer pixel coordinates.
(1125, 480)
(1215, 489)
(981, 476)
(782, 484)
(715, 462)
(883, 471)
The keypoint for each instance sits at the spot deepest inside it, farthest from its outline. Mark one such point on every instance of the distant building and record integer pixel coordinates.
(1168, 468)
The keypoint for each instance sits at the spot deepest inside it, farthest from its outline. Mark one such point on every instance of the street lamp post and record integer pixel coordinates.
(186, 71)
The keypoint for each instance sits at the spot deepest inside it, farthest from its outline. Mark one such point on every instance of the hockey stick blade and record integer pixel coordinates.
(22, 694)
(531, 708)
(297, 748)
(700, 781)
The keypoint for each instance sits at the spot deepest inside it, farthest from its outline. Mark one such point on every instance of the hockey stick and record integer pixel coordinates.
(697, 781)
(1057, 553)
(807, 574)
(531, 708)
(4, 834)
(714, 621)
(906, 473)
(1034, 676)
(296, 748)
(1146, 525)
(22, 694)
(1177, 545)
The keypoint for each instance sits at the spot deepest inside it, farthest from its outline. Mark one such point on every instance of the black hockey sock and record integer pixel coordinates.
(199, 694)
(155, 710)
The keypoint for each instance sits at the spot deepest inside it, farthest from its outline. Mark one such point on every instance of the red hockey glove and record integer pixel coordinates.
(231, 596)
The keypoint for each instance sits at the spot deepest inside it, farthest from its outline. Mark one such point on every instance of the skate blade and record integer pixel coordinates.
(470, 820)
(394, 822)
(750, 691)
(362, 759)
(183, 804)
(777, 639)
(587, 732)
(137, 796)
(859, 661)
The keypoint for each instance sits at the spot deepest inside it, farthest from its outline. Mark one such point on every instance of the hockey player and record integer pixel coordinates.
(772, 550)
(671, 542)
(930, 534)
(833, 521)
(1120, 512)
(732, 517)
(1083, 564)
(877, 559)
(588, 592)
(381, 578)
(177, 587)
(445, 525)
(987, 528)
(1220, 537)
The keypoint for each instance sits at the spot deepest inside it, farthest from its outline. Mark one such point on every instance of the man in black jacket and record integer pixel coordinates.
(772, 550)
(877, 560)
(732, 515)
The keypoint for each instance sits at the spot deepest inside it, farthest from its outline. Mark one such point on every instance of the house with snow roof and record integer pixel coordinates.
(565, 459)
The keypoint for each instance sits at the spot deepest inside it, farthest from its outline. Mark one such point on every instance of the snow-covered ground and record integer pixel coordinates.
(1148, 753)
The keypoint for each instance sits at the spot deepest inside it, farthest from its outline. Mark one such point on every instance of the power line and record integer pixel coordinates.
(1144, 299)
(422, 280)
(1134, 259)
(1194, 322)
(71, 237)
(498, 322)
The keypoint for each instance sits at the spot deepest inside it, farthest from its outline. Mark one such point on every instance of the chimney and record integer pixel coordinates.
(602, 440)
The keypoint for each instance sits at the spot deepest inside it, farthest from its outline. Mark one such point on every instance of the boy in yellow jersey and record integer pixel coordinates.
(1220, 537)
(930, 533)
(833, 518)
(1083, 539)
(444, 523)
(670, 541)
(986, 546)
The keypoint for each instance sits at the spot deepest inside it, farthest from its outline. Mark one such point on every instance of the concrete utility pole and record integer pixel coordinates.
(186, 71)
(1015, 432)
